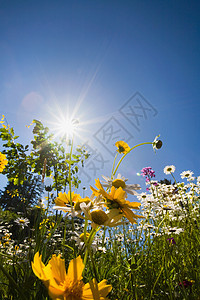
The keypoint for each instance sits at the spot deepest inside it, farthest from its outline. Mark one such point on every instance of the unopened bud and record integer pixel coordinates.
(83, 237)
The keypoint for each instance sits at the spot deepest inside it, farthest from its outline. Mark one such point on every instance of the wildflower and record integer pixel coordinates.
(171, 241)
(173, 230)
(120, 181)
(23, 222)
(142, 196)
(63, 199)
(157, 144)
(67, 286)
(169, 169)
(186, 174)
(186, 283)
(148, 173)
(63, 202)
(122, 147)
(166, 207)
(99, 216)
(116, 200)
(3, 162)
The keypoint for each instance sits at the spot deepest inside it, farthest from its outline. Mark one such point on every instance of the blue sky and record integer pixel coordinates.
(102, 60)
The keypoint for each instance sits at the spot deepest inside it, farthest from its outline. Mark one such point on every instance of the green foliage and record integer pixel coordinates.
(47, 157)
(20, 197)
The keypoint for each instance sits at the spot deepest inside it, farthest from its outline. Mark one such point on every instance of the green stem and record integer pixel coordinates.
(174, 178)
(70, 196)
(114, 165)
(127, 153)
(88, 241)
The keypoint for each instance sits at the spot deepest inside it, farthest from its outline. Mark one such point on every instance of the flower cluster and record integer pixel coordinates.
(175, 202)
(148, 173)
(103, 207)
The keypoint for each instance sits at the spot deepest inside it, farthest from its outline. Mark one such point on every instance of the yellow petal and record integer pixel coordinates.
(75, 269)
(134, 205)
(99, 291)
(63, 197)
(98, 184)
(56, 293)
(104, 288)
(129, 214)
(90, 291)
(39, 268)
(95, 192)
(60, 202)
(120, 192)
(58, 268)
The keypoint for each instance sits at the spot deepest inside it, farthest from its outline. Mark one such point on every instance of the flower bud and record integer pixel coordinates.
(82, 236)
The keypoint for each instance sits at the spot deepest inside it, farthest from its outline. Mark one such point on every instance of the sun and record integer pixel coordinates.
(66, 126)
(71, 123)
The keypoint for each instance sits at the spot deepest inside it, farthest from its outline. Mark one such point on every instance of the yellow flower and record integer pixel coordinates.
(3, 161)
(122, 147)
(68, 286)
(116, 200)
(63, 199)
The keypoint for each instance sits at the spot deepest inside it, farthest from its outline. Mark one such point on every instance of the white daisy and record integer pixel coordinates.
(169, 169)
(120, 181)
(186, 174)
(23, 222)
(142, 196)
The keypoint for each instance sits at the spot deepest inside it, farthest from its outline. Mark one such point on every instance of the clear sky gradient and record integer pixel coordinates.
(100, 61)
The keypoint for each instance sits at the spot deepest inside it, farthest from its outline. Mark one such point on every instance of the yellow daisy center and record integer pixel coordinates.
(74, 291)
(118, 183)
(21, 221)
